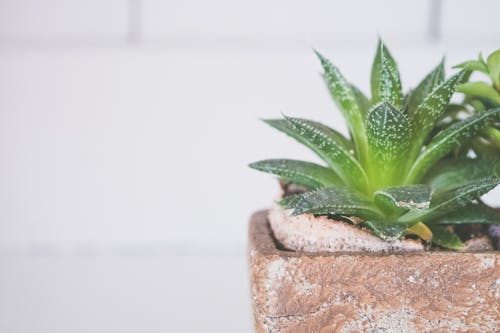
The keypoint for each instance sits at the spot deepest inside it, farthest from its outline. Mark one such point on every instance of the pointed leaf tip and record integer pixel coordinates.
(425, 87)
(443, 60)
(321, 57)
(385, 78)
(345, 99)
(307, 174)
(328, 144)
(424, 117)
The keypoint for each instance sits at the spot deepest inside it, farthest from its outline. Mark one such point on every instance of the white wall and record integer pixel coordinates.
(131, 122)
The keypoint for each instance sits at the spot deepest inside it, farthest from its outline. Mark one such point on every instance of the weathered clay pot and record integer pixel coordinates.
(424, 291)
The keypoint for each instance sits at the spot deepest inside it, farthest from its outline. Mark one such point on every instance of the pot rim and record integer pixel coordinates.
(262, 240)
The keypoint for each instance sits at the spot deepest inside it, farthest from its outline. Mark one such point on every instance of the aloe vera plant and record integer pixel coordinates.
(395, 173)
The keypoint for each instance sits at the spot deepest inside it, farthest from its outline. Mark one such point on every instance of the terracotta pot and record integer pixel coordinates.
(434, 291)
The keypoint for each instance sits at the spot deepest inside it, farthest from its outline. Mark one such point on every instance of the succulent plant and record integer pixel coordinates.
(479, 96)
(394, 175)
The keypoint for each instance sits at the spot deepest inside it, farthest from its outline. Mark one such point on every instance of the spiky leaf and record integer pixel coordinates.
(401, 199)
(385, 79)
(430, 110)
(480, 89)
(388, 138)
(388, 231)
(454, 173)
(337, 201)
(473, 213)
(345, 99)
(284, 126)
(443, 237)
(443, 203)
(290, 201)
(446, 140)
(307, 174)
(425, 87)
(319, 140)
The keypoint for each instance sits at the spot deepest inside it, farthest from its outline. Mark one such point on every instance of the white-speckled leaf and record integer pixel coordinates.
(454, 173)
(385, 79)
(337, 201)
(400, 199)
(446, 140)
(326, 146)
(344, 97)
(425, 87)
(473, 213)
(284, 126)
(388, 231)
(449, 201)
(289, 201)
(430, 110)
(307, 174)
(388, 139)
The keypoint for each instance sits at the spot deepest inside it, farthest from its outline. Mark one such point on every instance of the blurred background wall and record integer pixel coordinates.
(126, 126)
(133, 121)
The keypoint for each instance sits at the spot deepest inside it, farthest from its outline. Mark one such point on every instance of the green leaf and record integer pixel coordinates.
(446, 140)
(443, 237)
(492, 135)
(347, 102)
(401, 199)
(443, 203)
(361, 99)
(480, 89)
(284, 126)
(494, 68)
(388, 231)
(430, 110)
(478, 105)
(428, 84)
(388, 138)
(474, 65)
(319, 139)
(470, 214)
(302, 173)
(290, 201)
(337, 201)
(385, 79)
(454, 173)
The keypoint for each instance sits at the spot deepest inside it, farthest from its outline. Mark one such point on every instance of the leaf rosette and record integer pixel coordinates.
(397, 171)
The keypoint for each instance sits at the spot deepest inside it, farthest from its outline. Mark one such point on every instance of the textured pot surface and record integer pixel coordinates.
(340, 292)
(311, 233)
